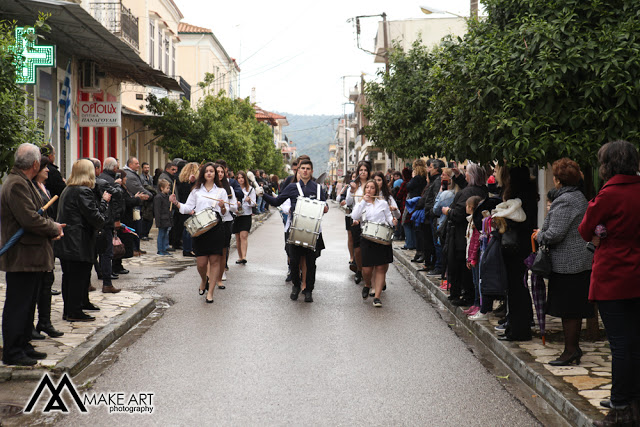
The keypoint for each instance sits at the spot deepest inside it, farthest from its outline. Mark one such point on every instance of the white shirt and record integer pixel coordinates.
(247, 206)
(393, 204)
(351, 199)
(378, 211)
(233, 207)
(286, 209)
(198, 200)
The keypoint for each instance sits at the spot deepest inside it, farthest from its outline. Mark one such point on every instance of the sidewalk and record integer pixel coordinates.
(574, 391)
(84, 341)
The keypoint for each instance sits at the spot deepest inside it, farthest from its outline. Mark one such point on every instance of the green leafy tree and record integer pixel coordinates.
(535, 81)
(221, 127)
(16, 121)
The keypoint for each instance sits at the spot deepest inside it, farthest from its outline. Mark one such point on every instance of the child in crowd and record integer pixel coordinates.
(162, 214)
(473, 250)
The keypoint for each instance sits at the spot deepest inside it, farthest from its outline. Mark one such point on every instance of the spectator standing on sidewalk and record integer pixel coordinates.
(147, 207)
(136, 189)
(29, 259)
(570, 260)
(614, 279)
(54, 182)
(162, 215)
(112, 221)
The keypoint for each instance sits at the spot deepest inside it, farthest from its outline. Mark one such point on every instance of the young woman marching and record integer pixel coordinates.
(376, 257)
(227, 221)
(242, 224)
(350, 176)
(354, 196)
(385, 195)
(209, 246)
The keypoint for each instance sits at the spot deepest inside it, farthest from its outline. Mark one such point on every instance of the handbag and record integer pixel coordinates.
(542, 264)
(118, 248)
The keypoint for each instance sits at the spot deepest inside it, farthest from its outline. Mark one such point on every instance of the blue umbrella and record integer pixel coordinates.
(12, 241)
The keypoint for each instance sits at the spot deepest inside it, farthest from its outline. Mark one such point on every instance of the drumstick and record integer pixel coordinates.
(217, 200)
(172, 192)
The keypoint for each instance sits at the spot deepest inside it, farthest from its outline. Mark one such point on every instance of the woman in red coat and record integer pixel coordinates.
(614, 278)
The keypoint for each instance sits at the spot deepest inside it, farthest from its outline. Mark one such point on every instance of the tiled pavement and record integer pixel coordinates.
(591, 380)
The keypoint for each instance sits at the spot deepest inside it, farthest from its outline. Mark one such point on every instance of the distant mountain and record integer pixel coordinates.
(312, 136)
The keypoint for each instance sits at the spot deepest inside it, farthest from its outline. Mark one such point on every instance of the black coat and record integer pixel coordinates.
(457, 216)
(430, 194)
(161, 212)
(415, 186)
(79, 210)
(114, 213)
(55, 184)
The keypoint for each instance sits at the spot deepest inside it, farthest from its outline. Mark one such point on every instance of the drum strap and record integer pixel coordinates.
(302, 194)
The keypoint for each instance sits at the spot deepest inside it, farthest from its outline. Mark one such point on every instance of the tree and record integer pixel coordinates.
(535, 81)
(17, 125)
(221, 127)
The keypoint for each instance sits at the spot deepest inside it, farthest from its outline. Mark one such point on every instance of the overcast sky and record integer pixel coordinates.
(295, 52)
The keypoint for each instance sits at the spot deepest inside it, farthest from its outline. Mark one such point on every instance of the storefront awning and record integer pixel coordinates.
(76, 32)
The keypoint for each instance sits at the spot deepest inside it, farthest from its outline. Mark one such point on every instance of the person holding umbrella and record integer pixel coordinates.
(570, 259)
(27, 261)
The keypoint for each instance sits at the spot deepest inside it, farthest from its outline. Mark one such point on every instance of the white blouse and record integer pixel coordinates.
(199, 200)
(247, 206)
(392, 204)
(378, 211)
(351, 198)
(233, 207)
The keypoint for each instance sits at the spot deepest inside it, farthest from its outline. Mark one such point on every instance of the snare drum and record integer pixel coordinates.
(201, 222)
(305, 226)
(376, 232)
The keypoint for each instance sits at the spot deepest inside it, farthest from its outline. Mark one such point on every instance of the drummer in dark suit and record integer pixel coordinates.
(302, 258)
(376, 257)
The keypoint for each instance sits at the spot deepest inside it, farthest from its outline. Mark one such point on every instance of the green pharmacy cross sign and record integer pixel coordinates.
(29, 56)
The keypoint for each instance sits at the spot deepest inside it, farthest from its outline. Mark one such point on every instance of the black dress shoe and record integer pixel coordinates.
(90, 307)
(35, 354)
(123, 271)
(575, 357)
(49, 330)
(35, 335)
(114, 277)
(461, 302)
(188, 254)
(606, 403)
(20, 361)
(55, 292)
(79, 317)
(358, 277)
(365, 292)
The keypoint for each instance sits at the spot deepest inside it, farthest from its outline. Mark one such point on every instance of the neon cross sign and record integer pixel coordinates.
(28, 56)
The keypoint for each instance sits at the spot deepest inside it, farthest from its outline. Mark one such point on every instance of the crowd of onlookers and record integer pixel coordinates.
(475, 227)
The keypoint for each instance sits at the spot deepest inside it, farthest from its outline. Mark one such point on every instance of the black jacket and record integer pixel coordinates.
(457, 216)
(108, 180)
(415, 186)
(55, 184)
(430, 193)
(161, 212)
(79, 210)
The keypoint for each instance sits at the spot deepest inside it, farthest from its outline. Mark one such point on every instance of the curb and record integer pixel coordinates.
(571, 408)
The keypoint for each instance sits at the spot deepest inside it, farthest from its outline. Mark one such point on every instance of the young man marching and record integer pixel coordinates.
(302, 258)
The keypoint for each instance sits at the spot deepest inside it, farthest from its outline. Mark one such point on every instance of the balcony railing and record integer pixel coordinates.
(117, 19)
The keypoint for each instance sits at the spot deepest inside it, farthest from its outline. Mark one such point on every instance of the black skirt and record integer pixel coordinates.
(348, 222)
(568, 296)
(242, 223)
(375, 253)
(211, 242)
(228, 228)
(356, 231)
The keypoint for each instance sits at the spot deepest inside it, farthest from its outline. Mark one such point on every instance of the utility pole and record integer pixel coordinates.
(386, 41)
(474, 8)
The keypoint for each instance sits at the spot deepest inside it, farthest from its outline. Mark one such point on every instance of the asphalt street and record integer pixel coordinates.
(255, 357)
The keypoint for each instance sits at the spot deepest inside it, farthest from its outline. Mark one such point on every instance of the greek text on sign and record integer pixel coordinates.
(99, 114)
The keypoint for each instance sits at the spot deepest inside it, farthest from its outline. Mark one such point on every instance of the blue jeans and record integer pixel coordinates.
(187, 244)
(259, 204)
(623, 331)
(163, 239)
(436, 244)
(476, 284)
(409, 242)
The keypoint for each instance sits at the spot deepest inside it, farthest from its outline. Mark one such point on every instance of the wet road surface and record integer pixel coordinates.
(255, 357)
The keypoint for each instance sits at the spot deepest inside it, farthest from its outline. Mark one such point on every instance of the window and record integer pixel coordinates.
(152, 35)
(166, 55)
(173, 61)
(159, 49)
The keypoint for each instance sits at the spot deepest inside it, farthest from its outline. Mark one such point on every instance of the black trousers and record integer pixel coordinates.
(429, 247)
(76, 278)
(106, 258)
(297, 252)
(620, 318)
(43, 300)
(520, 310)
(460, 278)
(17, 315)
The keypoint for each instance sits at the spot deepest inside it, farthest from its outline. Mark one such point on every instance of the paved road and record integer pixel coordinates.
(255, 357)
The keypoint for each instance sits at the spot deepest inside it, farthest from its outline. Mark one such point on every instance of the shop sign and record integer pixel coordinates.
(28, 56)
(99, 114)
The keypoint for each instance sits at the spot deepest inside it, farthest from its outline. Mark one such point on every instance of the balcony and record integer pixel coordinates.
(117, 19)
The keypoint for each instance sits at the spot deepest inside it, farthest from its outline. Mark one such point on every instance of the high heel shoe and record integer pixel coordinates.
(575, 357)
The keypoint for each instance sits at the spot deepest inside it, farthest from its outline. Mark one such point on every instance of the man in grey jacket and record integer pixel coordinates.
(135, 187)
